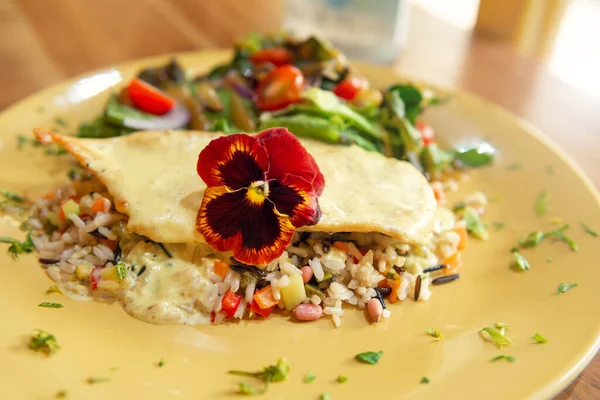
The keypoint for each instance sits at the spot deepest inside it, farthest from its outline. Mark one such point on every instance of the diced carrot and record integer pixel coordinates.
(342, 246)
(264, 297)
(49, 195)
(464, 237)
(61, 214)
(395, 288)
(220, 268)
(439, 194)
(98, 205)
(453, 264)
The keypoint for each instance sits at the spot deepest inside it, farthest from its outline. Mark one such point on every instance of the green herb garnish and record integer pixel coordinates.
(460, 206)
(503, 357)
(60, 121)
(534, 238)
(310, 377)
(272, 373)
(519, 263)
(161, 363)
(424, 380)
(498, 338)
(43, 342)
(514, 166)
(50, 305)
(539, 338)
(53, 289)
(61, 394)
(246, 388)
(21, 141)
(498, 225)
(474, 224)
(326, 396)
(501, 326)
(474, 157)
(121, 271)
(541, 204)
(549, 260)
(342, 379)
(11, 196)
(369, 357)
(16, 247)
(589, 230)
(563, 287)
(434, 333)
(93, 379)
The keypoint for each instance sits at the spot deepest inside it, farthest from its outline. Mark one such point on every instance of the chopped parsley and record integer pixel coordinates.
(474, 224)
(43, 342)
(53, 289)
(161, 363)
(434, 333)
(498, 226)
(94, 379)
(556, 220)
(342, 379)
(501, 326)
(11, 196)
(273, 373)
(519, 263)
(21, 141)
(549, 260)
(424, 380)
(369, 357)
(16, 247)
(310, 377)
(121, 271)
(246, 388)
(563, 287)
(50, 305)
(514, 166)
(541, 204)
(54, 150)
(60, 121)
(458, 207)
(589, 230)
(539, 338)
(326, 396)
(61, 394)
(497, 337)
(535, 238)
(503, 357)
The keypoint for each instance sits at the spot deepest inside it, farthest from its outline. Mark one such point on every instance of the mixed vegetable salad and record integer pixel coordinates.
(277, 80)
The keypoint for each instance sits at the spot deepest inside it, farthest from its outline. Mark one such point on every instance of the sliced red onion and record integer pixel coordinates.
(177, 118)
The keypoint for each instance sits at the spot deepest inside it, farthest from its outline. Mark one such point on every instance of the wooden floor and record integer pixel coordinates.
(45, 41)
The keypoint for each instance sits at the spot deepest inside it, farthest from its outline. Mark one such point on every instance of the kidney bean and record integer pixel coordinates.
(307, 273)
(308, 312)
(375, 309)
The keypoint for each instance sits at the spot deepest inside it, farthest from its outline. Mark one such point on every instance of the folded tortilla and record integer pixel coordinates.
(152, 177)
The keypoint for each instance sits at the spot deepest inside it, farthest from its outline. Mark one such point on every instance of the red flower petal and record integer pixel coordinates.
(253, 231)
(288, 156)
(234, 161)
(295, 197)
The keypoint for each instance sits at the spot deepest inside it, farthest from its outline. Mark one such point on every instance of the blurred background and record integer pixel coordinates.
(538, 58)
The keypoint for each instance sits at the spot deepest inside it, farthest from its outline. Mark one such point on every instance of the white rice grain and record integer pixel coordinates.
(107, 233)
(317, 268)
(300, 252)
(289, 269)
(78, 222)
(250, 292)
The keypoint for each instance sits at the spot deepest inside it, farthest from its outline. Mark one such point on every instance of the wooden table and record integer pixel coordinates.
(45, 41)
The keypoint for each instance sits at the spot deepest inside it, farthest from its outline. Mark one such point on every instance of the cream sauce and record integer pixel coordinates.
(152, 176)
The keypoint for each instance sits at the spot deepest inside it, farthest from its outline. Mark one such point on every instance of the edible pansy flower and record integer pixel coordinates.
(260, 188)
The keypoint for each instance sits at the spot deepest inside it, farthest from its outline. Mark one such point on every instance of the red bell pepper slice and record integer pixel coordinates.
(263, 312)
(230, 303)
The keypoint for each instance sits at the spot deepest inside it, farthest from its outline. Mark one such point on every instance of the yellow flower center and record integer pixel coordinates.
(258, 192)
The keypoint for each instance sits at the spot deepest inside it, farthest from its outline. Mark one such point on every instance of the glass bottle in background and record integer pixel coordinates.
(369, 30)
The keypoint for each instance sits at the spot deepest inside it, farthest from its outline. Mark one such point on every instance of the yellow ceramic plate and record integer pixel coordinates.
(100, 340)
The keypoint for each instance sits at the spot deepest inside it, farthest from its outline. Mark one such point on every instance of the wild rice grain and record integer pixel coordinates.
(417, 288)
(445, 279)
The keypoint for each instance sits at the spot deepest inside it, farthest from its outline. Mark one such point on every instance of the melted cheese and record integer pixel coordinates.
(152, 177)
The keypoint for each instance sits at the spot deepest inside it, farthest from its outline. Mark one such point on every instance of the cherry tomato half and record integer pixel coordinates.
(349, 88)
(280, 88)
(277, 56)
(148, 98)
(427, 132)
